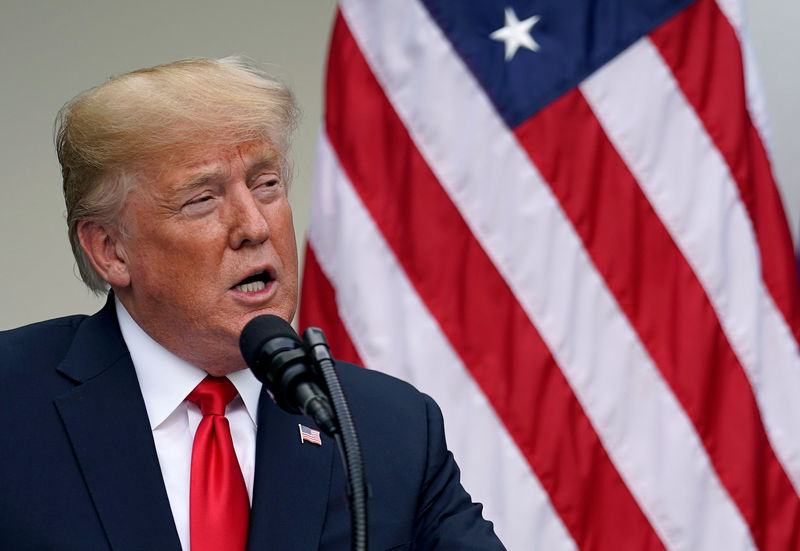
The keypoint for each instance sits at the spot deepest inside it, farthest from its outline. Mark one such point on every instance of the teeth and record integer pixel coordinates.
(253, 287)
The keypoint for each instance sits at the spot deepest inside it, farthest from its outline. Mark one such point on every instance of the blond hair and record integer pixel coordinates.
(106, 136)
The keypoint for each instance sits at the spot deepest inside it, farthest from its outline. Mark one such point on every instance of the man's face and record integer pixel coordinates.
(208, 246)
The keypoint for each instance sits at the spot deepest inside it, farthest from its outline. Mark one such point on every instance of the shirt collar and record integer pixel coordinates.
(165, 379)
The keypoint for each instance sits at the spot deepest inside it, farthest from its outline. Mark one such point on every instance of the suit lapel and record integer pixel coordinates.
(292, 483)
(107, 424)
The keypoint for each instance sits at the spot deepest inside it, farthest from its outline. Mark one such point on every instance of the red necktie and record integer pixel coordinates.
(219, 506)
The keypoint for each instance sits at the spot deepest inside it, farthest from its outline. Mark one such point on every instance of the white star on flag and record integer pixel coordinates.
(516, 34)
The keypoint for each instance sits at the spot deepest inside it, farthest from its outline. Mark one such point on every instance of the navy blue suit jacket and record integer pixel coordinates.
(78, 467)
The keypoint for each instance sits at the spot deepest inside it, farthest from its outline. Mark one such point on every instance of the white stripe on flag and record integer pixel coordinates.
(756, 104)
(646, 433)
(690, 187)
(394, 332)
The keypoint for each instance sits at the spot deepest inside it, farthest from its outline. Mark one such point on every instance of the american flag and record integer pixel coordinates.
(309, 435)
(558, 218)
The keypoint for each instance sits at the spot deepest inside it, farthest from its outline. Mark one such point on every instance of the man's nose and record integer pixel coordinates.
(248, 222)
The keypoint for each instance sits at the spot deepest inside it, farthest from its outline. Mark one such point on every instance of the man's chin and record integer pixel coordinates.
(216, 371)
(286, 314)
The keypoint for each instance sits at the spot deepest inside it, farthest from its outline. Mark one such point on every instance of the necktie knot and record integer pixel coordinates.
(213, 394)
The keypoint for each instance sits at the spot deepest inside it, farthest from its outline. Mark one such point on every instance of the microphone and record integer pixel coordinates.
(278, 359)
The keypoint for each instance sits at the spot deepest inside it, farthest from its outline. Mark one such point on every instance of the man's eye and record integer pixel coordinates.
(272, 182)
(267, 186)
(198, 204)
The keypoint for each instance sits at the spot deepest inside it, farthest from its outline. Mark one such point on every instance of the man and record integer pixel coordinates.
(176, 180)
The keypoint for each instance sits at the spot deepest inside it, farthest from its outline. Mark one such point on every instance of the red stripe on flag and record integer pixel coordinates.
(318, 308)
(668, 307)
(703, 52)
(475, 308)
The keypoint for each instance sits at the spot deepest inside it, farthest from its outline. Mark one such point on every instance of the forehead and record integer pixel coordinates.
(207, 160)
(199, 157)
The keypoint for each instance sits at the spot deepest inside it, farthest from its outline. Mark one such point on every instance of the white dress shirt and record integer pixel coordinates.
(165, 381)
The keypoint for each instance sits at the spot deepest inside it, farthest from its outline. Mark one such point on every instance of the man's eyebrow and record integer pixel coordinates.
(267, 160)
(204, 176)
(201, 178)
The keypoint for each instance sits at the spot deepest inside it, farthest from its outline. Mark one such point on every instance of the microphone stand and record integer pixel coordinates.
(346, 438)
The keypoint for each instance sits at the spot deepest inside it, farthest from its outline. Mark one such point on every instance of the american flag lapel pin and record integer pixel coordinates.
(309, 435)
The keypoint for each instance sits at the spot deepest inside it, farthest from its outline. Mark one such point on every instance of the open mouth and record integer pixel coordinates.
(254, 283)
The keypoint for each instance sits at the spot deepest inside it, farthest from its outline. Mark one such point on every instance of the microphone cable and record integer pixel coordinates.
(347, 438)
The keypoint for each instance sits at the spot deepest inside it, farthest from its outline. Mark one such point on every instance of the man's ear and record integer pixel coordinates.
(101, 243)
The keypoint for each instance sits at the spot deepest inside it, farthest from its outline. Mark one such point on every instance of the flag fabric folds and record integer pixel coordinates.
(558, 219)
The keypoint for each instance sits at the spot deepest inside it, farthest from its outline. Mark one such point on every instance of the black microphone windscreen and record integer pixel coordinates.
(258, 331)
